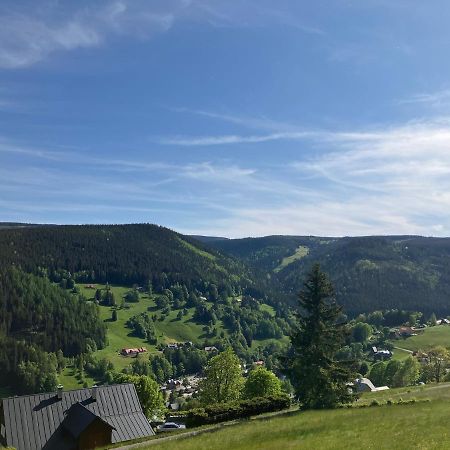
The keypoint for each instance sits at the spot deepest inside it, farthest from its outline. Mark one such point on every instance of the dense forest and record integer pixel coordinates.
(40, 324)
(369, 273)
(120, 254)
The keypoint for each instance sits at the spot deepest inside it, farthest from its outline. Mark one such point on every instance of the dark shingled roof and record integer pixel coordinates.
(34, 422)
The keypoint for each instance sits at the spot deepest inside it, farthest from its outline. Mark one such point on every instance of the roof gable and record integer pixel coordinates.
(78, 418)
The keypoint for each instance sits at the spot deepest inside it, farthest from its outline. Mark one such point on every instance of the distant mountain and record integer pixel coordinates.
(208, 239)
(369, 273)
(20, 225)
(122, 254)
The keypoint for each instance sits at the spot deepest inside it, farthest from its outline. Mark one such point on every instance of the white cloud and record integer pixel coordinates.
(393, 180)
(31, 31)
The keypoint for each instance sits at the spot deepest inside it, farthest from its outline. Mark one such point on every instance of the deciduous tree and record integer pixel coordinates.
(223, 380)
(261, 383)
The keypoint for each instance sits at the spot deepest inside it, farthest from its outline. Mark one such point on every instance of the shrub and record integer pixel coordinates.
(221, 412)
(375, 403)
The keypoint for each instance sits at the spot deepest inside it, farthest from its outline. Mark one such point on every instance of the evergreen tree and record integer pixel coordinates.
(320, 381)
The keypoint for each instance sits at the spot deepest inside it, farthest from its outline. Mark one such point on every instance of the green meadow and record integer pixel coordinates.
(431, 337)
(419, 425)
(168, 330)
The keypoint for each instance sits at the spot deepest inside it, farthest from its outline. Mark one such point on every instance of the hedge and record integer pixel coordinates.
(221, 412)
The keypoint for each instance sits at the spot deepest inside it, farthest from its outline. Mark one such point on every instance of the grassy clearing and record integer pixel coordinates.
(119, 336)
(300, 253)
(432, 391)
(432, 336)
(197, 250)
(421, 425)
(269, 309)
(399, 354)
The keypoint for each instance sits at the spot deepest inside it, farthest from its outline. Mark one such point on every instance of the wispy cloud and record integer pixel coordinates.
(31, 31)
(198, 141)
(386, 180)
(252, 122)
(433, 99)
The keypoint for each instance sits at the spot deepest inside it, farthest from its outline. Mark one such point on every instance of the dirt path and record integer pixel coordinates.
(404, 349)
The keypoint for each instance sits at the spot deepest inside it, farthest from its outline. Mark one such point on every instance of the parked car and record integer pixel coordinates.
(171, 426)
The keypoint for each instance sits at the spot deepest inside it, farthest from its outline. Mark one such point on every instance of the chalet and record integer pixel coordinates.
(407, 331)
(211, 349)
(443, 322)
(132, 351)
(259, 363)
(365, 385)
(382, 355)
(73, 420)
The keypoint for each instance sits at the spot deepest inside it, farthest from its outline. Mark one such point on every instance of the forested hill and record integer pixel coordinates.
(369, 273)
(121, 254)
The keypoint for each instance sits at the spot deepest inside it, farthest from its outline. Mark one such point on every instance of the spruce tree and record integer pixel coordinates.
(319, 379)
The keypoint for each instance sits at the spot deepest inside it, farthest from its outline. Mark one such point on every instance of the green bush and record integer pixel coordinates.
(221, 412)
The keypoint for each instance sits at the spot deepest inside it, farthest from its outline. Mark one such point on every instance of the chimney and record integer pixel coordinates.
(59, 391)
(94, 392)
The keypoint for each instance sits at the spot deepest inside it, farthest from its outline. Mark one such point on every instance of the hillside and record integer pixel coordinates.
(147, 285)
(369, 273)
(120, 254)
(422, 424)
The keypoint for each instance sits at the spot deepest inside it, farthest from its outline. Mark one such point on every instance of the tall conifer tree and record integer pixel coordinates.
(320, 381)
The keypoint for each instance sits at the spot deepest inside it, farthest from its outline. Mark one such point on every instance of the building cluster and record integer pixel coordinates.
(133, 351)
(175, 389)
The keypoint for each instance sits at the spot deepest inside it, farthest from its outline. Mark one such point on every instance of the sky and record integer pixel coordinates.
(230, 118)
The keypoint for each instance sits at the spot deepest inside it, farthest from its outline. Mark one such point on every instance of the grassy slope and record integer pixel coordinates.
(119, 336)
(439, 335)
(419, 425)
(300, 253)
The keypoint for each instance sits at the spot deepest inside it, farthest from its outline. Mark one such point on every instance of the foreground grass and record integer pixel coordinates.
(419, 426)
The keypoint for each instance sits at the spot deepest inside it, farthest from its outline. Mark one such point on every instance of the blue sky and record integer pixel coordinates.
(234, 118)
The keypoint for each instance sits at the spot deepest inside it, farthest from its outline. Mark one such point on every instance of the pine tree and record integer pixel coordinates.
(320, 381)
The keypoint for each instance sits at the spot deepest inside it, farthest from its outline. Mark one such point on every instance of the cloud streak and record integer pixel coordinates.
(30, 31)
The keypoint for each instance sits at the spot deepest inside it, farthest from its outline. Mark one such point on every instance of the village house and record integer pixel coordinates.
(73, 420)
(211, 349)
(365, 385)
(381, 355)
(443, 322)
(132, 351)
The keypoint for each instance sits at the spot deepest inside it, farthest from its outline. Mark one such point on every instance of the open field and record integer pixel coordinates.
(432, 336)
(432, 391)
(414, 426)
(300, 253)
(421, 425)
